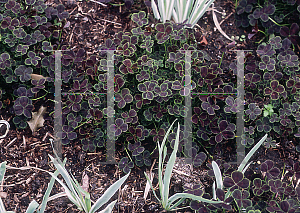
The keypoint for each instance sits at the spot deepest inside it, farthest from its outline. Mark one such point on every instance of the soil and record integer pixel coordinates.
(90, 24)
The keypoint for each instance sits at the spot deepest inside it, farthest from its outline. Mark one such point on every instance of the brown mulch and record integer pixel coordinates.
(90, 25)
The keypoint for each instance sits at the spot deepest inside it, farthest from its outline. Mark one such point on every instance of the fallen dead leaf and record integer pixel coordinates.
(37, 119)
(37, 77)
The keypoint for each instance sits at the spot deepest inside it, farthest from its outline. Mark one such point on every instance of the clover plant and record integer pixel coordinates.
(27, 32)
(278, 114)
(271, 17)
(150, 87)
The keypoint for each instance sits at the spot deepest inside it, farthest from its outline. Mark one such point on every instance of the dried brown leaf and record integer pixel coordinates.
(37, 120)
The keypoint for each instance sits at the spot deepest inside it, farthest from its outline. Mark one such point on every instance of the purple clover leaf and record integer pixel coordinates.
(47, 46)
(136, 148)
(144, 158)
(23, 105)
(140, 18)
(19, 33)
(244, 6)
(88, 145)
(96, 114)
(118, 127)
(263, 125)
(251, 79)
(147, 89)
(140, 101)
(163, 90)
(198, 159)
(5, 61)
(11, 40)
(37, 36)
(292, 33)
(224, 130)
(40, 20)
(210, 106)
(265, 12)
(233, 105)
(253, 111)
(99, 137)
(285, 110)
(237, 180)
(274, 118)
(20, 121)
(293, 84)
(158, 112)
(130, 117)
(81, 87)
(70, 56)
(73, 102)
(269, 143)
(73, 121)
(250, 130)
(32, 58)
(265, 49)
(124, 98)
(24, 73)
(125, 165)
(143, 76)
(61, 13)
(247, 140)
(164, 32)
(127, 67)
(157, 135)
(119, 82)
(9, 23)
(274, 90)
(269, 170)
(13, 6)
(276, 42)
(30, 2)
(241, 198)
(267, 63)
(39, 84)
(284, 120)
(147, 44)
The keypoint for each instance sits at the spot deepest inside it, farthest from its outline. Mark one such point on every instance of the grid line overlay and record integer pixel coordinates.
(240, 114)
(110, 105)
(58, 107)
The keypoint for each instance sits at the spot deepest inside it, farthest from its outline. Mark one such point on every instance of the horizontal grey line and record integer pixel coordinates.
(84, 93)
(214, 93)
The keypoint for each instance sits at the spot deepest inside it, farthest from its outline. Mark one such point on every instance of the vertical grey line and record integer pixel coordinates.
(240, 114)
(188, 107)
(58, 110)
(110, 144)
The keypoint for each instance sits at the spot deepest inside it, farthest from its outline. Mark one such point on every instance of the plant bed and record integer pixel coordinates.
(88, 27)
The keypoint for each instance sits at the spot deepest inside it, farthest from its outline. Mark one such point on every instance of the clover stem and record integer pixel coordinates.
(277, 23)
(39, 97)
(128, 154)
(83, 123)
(54, 111)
